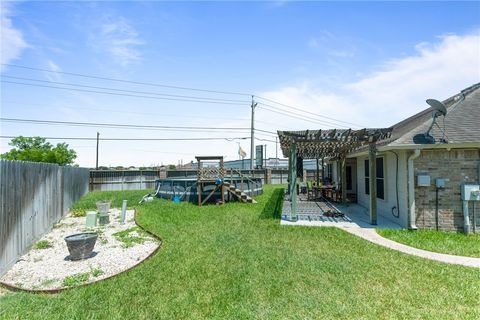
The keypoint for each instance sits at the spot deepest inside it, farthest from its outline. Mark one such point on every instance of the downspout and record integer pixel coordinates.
(478, 168)
(411, 190)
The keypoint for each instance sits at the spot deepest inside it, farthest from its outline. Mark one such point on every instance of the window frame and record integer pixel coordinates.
(380, 181)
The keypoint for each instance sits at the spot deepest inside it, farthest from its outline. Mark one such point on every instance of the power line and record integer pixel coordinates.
(116, 125)
(188, 98)
(130, 91)
(99, 109)
(308, 112)
(293, 115)
(118, 94)
(266, 131)
(127, 81)
(128, 126)
(265, 140)
(132, 139)
(126, 112)
(138, 139)
(288, 113)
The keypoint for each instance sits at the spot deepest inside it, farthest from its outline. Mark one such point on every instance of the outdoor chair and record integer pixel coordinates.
(310, 191)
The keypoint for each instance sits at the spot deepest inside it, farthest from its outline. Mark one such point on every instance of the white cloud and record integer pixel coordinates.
(117, 37)
(12, 42)
(393, 92)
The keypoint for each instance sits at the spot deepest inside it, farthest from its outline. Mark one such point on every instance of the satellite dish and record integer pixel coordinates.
(438, 106)
(439, 110)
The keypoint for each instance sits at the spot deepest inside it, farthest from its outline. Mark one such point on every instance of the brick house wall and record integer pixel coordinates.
(457, 166)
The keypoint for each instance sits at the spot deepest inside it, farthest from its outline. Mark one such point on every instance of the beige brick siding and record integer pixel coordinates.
(457, 166)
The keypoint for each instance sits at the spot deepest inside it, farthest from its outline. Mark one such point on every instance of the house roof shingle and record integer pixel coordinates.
(461, 124)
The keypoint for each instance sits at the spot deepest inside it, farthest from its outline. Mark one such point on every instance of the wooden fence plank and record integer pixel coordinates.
(33, 197)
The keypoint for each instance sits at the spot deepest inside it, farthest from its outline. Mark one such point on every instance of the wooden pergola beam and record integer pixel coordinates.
(329, 143)
(333, 143)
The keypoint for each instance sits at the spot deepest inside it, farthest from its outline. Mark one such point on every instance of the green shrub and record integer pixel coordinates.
(43, 244)
(97, 272)
(131, 236)
(76, 279)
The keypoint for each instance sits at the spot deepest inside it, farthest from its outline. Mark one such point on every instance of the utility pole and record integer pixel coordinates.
(96, 165)
(265, 156)
(276, 152)
(252, 136)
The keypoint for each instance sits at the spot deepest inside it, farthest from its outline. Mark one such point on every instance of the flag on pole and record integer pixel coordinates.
(242, 154)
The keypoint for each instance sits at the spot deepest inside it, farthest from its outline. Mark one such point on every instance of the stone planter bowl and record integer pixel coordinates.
(80, 245)
(103, 206)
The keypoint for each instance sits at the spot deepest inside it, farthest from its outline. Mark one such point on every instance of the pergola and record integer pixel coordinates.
(332, 143)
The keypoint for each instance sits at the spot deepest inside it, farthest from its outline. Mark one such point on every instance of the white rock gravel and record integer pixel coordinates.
(42, 269)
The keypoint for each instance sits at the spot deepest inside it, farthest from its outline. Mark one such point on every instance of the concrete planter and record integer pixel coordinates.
(80, 245)
(103, 206)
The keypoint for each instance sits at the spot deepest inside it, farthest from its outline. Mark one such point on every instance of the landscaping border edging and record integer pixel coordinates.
(54, 291)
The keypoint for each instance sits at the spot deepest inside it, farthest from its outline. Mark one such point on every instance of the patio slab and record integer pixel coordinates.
(311, 213)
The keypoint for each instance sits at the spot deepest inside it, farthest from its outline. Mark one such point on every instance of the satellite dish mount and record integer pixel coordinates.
(439, 109)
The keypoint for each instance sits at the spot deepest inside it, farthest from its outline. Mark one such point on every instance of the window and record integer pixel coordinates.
(329, 171)
(367, 177)
(349, 177)
(380, 178)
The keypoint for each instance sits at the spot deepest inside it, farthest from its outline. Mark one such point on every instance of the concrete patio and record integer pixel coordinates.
(311, 213)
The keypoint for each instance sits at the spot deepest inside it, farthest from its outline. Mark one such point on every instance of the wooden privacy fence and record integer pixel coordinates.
(109, 180)
(33, 196)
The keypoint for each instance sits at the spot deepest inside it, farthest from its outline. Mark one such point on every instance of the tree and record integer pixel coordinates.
(37, 149)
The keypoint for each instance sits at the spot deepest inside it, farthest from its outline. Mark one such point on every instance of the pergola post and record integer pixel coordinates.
(293, 180)
(199, 183)
(317, 178)
(372, 160)
(323, 169)
(344, 178)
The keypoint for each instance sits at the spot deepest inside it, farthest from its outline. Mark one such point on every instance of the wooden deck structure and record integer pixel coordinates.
(333, 144)
(216, 176)
(210, 176)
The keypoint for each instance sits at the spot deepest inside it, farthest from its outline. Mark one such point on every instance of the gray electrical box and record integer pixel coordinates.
(423, 180)
(440, 183)
(470, 192)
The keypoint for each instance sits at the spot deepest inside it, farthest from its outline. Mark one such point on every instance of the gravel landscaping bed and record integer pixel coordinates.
(47, 265)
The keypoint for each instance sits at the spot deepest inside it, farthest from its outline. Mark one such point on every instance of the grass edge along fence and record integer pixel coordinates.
(34, 196)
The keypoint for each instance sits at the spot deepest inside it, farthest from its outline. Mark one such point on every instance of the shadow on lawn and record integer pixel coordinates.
(273, 208)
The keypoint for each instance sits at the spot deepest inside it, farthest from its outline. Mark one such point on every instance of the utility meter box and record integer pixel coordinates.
(423, 180)
(440, 183)
(470, 192)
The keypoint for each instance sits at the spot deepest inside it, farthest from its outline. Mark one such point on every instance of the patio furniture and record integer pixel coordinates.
(311, 194)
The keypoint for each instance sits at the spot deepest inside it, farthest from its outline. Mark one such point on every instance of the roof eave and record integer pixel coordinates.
(448, 146)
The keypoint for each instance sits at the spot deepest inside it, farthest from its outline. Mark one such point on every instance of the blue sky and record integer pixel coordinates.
(368, 63)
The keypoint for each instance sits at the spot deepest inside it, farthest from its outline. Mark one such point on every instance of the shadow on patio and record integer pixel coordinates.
(323, 213)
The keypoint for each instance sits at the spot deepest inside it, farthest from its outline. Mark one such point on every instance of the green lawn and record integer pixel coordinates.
(236, 262)
(437, 241)
(116, 197)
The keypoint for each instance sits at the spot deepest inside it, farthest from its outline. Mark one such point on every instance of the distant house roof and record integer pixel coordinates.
(460, 125)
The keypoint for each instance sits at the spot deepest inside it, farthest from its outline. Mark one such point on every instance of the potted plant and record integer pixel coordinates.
(80, 245)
